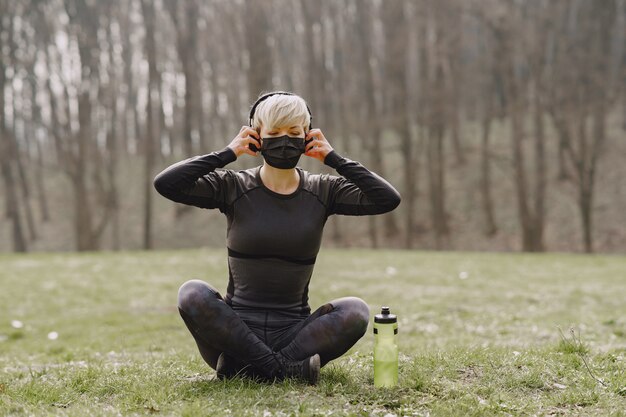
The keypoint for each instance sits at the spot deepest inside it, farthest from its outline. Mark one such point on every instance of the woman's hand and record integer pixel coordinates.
(240, 143)
(318, 147)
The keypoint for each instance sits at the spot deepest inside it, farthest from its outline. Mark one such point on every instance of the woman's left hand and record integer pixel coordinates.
(318, 147)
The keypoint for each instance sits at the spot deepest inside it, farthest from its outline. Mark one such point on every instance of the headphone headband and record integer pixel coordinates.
(268, 95)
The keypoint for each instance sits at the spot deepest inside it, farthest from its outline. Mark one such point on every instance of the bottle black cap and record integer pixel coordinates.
(385, 316)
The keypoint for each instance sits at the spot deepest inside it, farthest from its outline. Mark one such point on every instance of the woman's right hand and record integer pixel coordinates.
(240, 143)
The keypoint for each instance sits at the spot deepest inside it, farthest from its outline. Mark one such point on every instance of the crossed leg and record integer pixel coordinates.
(330, 331)
(217, 328)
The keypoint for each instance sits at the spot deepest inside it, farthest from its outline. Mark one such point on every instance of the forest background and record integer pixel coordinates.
(502, 123)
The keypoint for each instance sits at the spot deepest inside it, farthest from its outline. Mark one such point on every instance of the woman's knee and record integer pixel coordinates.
(357, 312)
(195, 292)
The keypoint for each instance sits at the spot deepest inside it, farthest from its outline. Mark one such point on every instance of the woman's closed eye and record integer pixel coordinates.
(292, 133)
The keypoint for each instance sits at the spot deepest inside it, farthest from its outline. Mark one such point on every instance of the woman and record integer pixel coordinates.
(276, 212)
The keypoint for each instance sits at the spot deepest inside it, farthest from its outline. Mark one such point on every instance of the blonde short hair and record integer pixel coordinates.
(282, 110)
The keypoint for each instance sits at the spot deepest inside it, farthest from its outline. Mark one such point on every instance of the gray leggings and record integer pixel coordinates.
(255, 337)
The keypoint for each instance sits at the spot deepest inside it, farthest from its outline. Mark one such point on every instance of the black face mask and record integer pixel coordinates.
(282, 152)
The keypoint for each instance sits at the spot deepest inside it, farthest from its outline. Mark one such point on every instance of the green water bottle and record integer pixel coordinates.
(385, 349)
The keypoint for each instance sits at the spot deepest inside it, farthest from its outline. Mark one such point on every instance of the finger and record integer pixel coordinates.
(310, 145)
(251, 132)
(312, 152)
(256, 142)
(250, 141)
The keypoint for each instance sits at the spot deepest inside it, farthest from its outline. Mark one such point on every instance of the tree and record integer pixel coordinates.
(19, 101)
(436, 78)
(259, 65)
(77, 154)
(490, 108)
(398, 87)
(184, 15)
(585, 91)
(89, 88)
(7, 150)
(512, 66)
(151, 133)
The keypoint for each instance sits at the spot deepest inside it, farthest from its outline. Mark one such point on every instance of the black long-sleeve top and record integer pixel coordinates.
(273, 239)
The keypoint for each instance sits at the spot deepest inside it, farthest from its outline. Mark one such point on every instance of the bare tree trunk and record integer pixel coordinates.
(456, 130)
(194, 71)
(36, 121)
(587, 185)
(25, 189)
(409, 139)
(19, 241)
(514, 89)
(311, 14)
(540, 174)
(485, 181)
(489, 113)
(521, 184)
(24, 186)
(436, 181)
(83, 217)
(436, 78)
(586, 210)
(84, 22)
(41, 189)
(452, 14)
(218, 132)
(188, 50)
(131, 134)
(562, 171)
(149, 21)
(112, 146)
(259, 67)
(6, 156)
(589, 93)
(185, 22)
(398, 82)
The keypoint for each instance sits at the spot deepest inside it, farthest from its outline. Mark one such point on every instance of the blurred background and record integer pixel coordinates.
(501, 122)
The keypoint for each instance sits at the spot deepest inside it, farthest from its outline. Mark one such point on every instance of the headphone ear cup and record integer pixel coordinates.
(306, 143)
(253, 147)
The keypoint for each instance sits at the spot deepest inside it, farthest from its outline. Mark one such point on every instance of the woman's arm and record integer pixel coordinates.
(359, 191)
(195, 182)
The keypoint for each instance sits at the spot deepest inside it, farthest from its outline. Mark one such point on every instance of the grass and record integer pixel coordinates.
(480, 334)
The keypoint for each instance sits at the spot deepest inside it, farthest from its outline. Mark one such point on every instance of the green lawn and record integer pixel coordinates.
(480, 334)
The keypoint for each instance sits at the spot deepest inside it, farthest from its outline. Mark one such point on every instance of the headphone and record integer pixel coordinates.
(268, 95)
